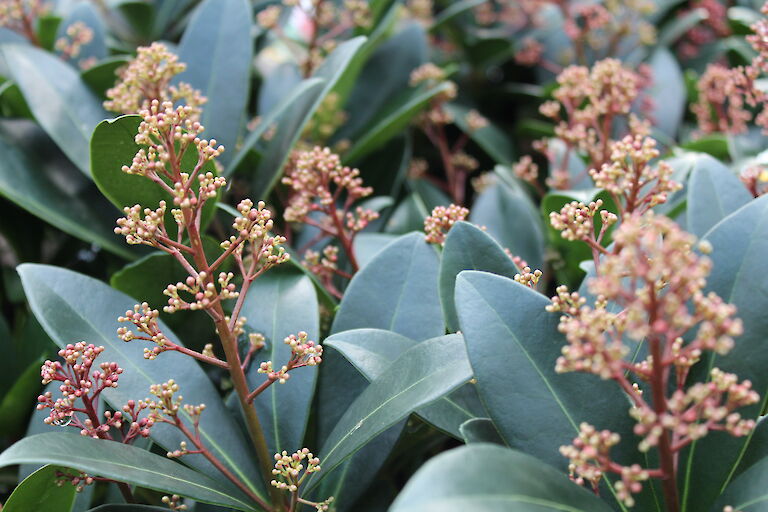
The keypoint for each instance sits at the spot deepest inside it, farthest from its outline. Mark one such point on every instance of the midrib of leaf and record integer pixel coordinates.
(402, 290)
(273, 389)
(211, 442)
(546, 383)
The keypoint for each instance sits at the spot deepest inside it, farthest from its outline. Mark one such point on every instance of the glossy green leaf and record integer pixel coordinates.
(486, 477)
(421, 375)
(468, 247)
(511, 218)
(481, 430)
(26, 184)
(739, 245)
(47, 25)
(39, 492)
(73, 307)
(113, 145)
(490, 137)
(393, 119)
(371, 351)
(24, 391)
(513, 343)
(748, 492)
(714, 192)
(290, 123)
(65, 107)
(396, 291)
(123, 463)
(218, 49)
(280, 303)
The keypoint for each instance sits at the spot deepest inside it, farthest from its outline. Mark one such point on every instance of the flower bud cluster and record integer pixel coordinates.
(79, 480)
(526, 169)
(437, 225)
(145, 320)
(304, 352)
(325, 265)
(588, 103)
(590, 460)
(290, 469)
(657, 279)
(78, 35)
(204, 294)
(253, 227)
(19, 15)
(528, 277)
(311, 177)
(147, 78)
(138, 230)
(78, 381)
(575, 220)
(173, 502)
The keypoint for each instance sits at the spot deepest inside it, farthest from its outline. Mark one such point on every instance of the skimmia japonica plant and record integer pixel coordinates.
(476, 255)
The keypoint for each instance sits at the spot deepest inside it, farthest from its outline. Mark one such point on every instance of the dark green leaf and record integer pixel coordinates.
(39, 492)
(124, 507)
(280, 303)
(421, 375)
(714, 192)
(510, 217)
(371, 351)
(480, 430)
(46, 30)
(396, 291)
(493, 479)
(23, 392)
(453, 10)
(490, 137)
(218, 49)
(65, 108)
(290, 122)
(102, 75)
(513, 343)
(739, 245)
(26, 184)
(393, 119)
(468, 247)
(123, 463)
(73, 307)
(747, 493)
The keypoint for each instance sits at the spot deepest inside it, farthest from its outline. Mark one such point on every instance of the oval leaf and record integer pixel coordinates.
(714, 192)
(65, 107)
(492, 479)
(39, 492)
(396, 291)
(123, 463)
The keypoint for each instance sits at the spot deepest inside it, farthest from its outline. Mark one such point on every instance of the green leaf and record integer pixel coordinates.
(393, 119)
(396, 291)
(480, 430)
(486, 477)
(73, 307)
(280, 303)
(290, 122)
(490, 137)
(468, 247)
(371, 351)
(39, 492)
(103, 74)
(513, 343)
(13, 103)
(714, 192)
(125, 507)
(747, 493)
(667, 91)
(421, 375)
(113, 145)
(679, 25)
(510, 217)
(47, 25)
(23, 392)
(26, 184)
(368, 245)
(453, 10)
(739, 245)
(123, 463)
(218, 49)
(65, 108)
